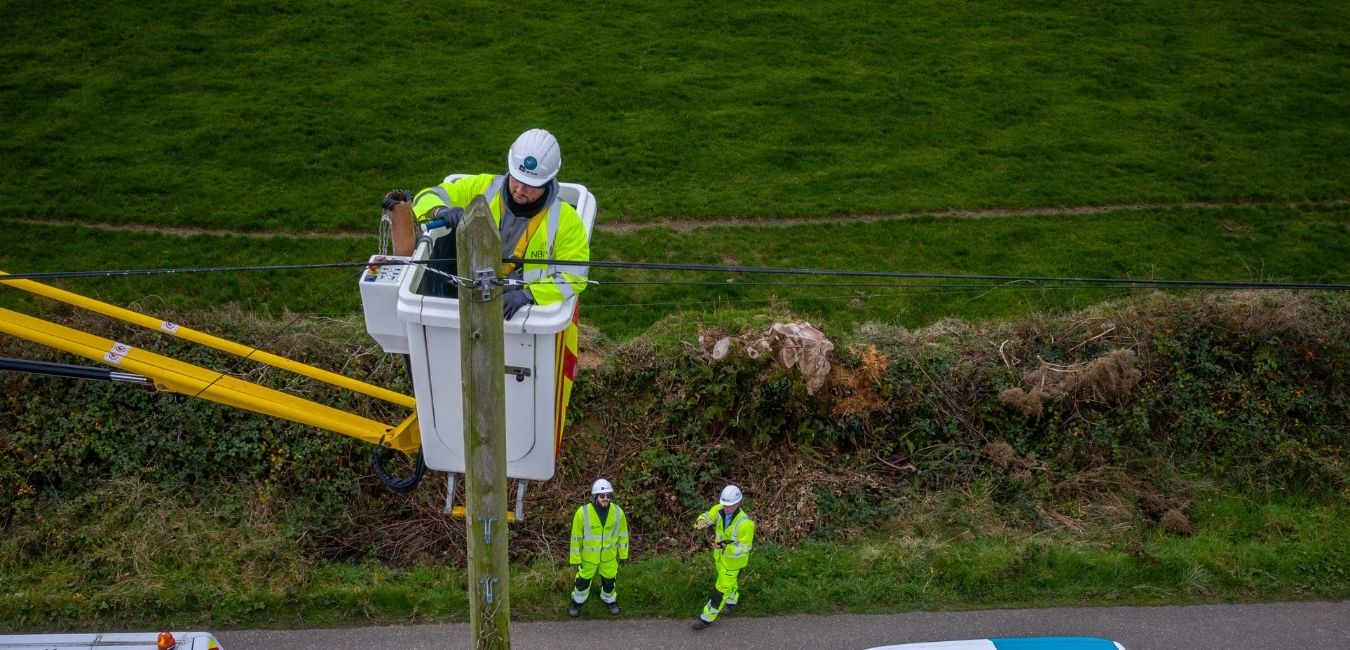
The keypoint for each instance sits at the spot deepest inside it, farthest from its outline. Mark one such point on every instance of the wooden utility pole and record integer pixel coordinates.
(483, 366)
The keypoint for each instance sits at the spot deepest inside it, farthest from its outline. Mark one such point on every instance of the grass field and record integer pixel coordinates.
(251, 116)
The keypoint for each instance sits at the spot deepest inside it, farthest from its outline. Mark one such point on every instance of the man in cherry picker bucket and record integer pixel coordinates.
(533, 221)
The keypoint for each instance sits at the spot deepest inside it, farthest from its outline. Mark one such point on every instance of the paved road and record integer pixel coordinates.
(1267, 626)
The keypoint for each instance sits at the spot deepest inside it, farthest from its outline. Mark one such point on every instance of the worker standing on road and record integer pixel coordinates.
(599, 541)
(533, 221)
(735, 535)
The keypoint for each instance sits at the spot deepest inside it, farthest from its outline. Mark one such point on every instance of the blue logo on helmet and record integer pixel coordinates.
(529, 163)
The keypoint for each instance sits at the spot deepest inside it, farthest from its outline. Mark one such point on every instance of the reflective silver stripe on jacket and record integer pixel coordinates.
(494, 188)
(554, 222)
(597, 543)
(445, 196)
(737, 549)
(554, 272)
(439, 190)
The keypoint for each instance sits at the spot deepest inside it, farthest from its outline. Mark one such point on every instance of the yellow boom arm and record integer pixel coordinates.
(188, 379)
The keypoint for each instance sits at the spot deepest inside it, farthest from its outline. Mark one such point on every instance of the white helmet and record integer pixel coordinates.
(731, 495)
(535, 158)
(602, 487)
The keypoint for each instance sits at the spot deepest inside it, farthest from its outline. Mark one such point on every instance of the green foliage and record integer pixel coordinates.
(1248, 390)
(65, 437)
(1241, 395)
(1266, 404)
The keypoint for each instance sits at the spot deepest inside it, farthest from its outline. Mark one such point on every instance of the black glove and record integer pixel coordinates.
(395, 197)
(451, 216)
(513, 301)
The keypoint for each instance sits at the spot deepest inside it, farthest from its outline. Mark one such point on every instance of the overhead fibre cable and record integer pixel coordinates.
(1215, 284)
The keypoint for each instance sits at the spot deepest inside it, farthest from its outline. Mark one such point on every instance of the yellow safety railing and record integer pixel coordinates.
(189, 334)
(188, 379)
(176, 376)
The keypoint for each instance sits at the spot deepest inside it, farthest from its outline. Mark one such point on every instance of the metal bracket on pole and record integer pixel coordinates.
(482, 281)
(487, 586)
(487, 529)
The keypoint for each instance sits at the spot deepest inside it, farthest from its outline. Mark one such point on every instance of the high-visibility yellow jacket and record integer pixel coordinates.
(739, 534)
(557, 233)
(594, 542)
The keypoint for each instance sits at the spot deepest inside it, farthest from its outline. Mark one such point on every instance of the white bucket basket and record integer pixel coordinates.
(430, 337)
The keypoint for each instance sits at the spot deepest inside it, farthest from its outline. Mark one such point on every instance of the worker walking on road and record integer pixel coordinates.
(735, 535)
(534, 224)
(599, 541)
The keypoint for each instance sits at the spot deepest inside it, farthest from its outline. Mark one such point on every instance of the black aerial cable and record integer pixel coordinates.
(112, 273)
(944, 282)
(724, 301)
(72, 371)
(1024, 285)
(648, 266)
(1218, 284)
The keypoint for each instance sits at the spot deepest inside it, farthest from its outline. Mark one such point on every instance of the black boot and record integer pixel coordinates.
(613, 608)
(574, 610)
(700, 624)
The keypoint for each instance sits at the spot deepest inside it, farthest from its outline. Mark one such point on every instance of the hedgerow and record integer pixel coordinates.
(1130, 402)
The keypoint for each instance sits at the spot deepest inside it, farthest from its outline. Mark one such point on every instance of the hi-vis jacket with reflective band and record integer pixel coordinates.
(557, 233)
(593, 542)
(740, 532)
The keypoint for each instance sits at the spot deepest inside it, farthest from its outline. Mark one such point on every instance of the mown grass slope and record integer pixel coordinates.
(1219, 474)
(299, 116)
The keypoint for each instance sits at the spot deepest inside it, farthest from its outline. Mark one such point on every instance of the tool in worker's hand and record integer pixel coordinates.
(395, 197)
(398, 208)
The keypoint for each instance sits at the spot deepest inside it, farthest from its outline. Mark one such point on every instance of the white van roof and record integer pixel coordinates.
(119, 640)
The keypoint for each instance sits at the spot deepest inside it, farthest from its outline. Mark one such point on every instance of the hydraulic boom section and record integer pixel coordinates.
(180, 377)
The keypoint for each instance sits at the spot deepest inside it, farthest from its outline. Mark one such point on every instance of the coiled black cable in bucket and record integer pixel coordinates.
(395, 484)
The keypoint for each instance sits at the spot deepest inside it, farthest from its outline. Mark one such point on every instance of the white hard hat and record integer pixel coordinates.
(731, 495)
(535, 158)
(602, 487)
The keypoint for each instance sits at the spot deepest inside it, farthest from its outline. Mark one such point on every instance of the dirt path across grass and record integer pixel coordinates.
(686, 225)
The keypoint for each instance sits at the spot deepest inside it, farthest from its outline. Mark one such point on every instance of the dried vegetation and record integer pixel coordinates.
(1105, 419)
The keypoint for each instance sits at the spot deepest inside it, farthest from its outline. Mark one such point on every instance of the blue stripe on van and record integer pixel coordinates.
(1054, 643)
